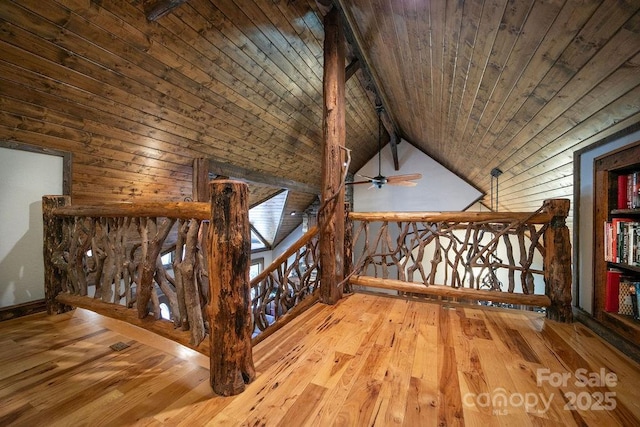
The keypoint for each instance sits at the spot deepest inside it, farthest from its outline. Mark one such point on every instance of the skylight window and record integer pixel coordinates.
(265, 219)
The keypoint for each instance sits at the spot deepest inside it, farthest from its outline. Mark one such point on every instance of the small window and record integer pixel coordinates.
(257, 265)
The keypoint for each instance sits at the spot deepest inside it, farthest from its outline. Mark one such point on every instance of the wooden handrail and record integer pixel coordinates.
(180, 210)
(496, 217)
(448, 291)
(285, 255)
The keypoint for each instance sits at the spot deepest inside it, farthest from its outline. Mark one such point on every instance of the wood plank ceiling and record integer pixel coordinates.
(516, 84)
(519, 85)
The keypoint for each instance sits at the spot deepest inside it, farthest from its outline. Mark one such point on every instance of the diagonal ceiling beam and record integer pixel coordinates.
(239, 172)
(351, 69)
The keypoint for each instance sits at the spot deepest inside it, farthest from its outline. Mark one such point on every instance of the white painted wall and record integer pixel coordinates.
(24, 178)
(438, 190)
(584, 229)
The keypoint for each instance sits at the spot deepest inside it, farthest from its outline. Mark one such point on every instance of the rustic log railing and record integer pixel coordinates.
(107, 255)
(468, 255)
(107, 258)
(287, 286)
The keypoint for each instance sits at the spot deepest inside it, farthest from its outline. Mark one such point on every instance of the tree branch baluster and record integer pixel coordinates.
(282, 286)
(459, 254)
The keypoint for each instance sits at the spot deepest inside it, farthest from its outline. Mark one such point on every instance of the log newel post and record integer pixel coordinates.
(229, 250)
(55, 276)
(331, 213)
(557, 262)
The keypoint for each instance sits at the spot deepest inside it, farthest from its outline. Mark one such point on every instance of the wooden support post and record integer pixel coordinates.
(557, 262)
(331, 215)
(200, 180)
(230, 307)
(54, 277)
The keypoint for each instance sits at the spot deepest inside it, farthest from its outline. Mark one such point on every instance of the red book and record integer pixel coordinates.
(611, 291)
(623, 191)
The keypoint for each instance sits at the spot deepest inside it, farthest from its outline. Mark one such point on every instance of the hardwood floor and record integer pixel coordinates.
(369, 360)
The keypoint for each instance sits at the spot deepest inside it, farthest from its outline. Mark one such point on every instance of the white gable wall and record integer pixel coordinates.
(438, 190)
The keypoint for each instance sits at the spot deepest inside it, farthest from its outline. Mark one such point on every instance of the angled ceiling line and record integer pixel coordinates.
(266, 199)
(282, 216)
(264, 241)
(372, 86)
(255, 177)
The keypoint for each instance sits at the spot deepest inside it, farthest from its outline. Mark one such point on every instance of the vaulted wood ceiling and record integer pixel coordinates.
(516, 84)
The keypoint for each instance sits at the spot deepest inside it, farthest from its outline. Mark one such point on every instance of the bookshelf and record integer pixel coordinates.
(607, 169)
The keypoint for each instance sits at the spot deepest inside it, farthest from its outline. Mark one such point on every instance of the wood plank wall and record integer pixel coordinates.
(137, 101)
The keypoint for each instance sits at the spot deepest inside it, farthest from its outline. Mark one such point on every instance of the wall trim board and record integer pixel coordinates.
(24, 309)
(67, 160)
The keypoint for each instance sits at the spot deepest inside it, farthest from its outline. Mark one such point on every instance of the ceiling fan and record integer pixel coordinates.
(378, 181)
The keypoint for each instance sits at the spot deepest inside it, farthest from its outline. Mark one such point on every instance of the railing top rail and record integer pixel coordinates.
(180, 210)
(290, 251)
(498, 217)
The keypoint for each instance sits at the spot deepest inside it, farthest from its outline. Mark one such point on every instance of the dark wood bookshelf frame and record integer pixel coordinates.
(607, 167)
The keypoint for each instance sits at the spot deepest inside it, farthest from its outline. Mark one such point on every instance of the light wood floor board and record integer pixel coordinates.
(369, 360)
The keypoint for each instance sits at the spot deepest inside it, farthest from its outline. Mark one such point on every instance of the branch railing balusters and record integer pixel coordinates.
(107, 258)
(115, 250)
(293, 277)
(463, 252)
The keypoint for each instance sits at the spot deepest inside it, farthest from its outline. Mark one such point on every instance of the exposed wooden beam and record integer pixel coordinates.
(371, 89)
(200, 180)
(249, 175)
(331, 213)
(353, 66)
(394, 139)
(156, 9)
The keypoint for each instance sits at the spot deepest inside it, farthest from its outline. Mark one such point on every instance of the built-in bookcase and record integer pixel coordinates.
(615, 245)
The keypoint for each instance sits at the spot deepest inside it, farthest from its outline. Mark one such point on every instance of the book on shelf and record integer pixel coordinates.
(633, 290)
(625, 306)
(623, 191)
(612, 291)
(628, 297)
(622, 241)
(636, 315)
(629, 191)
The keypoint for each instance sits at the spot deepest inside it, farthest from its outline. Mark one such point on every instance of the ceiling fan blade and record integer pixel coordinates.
(408, 177)
(364, 176)
(357, 182)
(403, 183)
